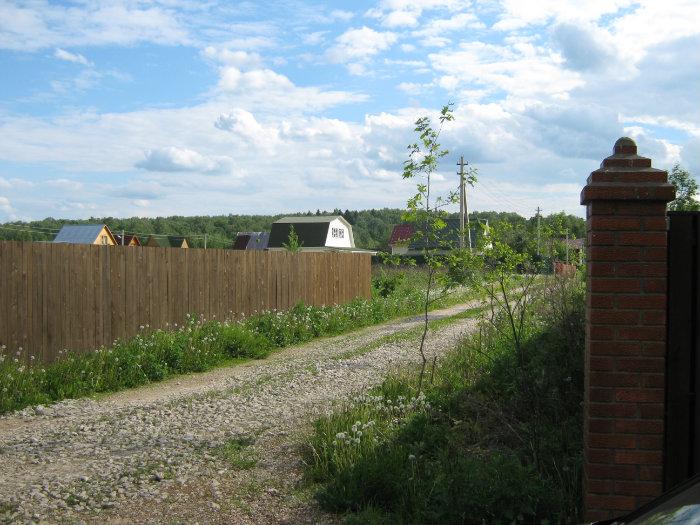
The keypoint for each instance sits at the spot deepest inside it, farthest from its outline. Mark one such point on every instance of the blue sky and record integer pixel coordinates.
(146, 108)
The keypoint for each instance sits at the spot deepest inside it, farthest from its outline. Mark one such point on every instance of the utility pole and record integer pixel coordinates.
(567, 246)
(538, 230)
(123, 232)
(205, 241)
(463, 208)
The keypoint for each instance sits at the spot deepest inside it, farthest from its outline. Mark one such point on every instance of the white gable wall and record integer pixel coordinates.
(339, 235)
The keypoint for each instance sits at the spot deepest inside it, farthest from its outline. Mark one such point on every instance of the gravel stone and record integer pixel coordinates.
(153, 454)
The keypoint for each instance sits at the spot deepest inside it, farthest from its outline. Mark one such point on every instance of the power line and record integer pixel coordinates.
(502, 199)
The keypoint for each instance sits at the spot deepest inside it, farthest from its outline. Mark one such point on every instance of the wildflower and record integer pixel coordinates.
(411, 457)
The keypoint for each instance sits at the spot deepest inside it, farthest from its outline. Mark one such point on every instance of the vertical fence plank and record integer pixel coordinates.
(4, 302)
(82, 297)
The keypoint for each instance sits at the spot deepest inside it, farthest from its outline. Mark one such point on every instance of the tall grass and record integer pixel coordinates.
(495, 439)
(196, 346)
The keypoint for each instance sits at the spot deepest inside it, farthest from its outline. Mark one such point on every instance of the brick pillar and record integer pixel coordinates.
(625, 332)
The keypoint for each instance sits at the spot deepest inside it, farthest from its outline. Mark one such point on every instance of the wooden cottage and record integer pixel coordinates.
(86, 234)
(167, 241)
(251, 241)
(402, 240)
(129, 240)
(315, 233)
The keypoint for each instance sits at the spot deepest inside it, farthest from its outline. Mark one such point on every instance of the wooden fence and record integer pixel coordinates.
(82, 297)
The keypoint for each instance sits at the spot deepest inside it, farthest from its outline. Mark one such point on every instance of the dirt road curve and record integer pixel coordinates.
(156, 454)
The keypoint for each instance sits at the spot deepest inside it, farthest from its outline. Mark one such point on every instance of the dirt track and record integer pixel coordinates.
(154, 454)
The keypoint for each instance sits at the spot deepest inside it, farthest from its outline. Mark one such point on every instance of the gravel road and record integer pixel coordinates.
(156, 454)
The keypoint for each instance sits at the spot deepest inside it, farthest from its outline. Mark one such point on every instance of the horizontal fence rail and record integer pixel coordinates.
(57, 297)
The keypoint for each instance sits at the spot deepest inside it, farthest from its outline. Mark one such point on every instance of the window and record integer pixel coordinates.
(338, 233)
(103, 239)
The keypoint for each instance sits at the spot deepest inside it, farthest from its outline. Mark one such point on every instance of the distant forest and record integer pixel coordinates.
(371, 228)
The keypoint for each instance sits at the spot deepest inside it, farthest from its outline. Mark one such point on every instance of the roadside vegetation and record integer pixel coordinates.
(199, 345)
(494, 436)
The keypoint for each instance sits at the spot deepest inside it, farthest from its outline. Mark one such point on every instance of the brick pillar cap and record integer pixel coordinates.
(625, 176)
(625, 146)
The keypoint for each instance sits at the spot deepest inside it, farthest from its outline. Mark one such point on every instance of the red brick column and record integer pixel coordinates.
(625, 332)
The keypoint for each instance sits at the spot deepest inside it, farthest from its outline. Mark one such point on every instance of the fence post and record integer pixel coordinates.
(625, 332)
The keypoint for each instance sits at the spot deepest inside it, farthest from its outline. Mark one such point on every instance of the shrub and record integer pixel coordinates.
(496, 439)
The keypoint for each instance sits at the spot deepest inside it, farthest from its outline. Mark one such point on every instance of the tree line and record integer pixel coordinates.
(371, 228)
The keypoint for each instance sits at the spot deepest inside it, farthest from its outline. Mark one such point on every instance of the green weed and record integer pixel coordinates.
(196, 346)
(238, 453)
(496, 438)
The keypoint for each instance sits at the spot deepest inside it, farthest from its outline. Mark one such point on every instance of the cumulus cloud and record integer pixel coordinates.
(522, 71)
(174, 159)
(233, 79)
(273, 92)
(245, 125)
(582, 49)
(76, 58)
(360, 44)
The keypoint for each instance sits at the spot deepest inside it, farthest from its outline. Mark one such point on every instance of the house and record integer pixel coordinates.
(400, 238)
(402, 241)
(574, 250)
(86, 234)
(251, 241)
(129, 240)
(315, 233)
(167, 241)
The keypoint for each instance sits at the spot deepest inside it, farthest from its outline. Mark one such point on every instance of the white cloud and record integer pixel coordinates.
(360, 44)
(401, 19)
(76, 58)
(435, 30)
(174, 159)
(517, 14)
(6, 208)
(42, 24)
(244, 124)
(315, 38)
(233, 79)
(339, 14)
(523, 71)
(232, 57)
(413, 88)
(64, 184)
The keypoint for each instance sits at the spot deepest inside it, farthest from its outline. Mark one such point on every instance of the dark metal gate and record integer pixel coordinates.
(682, 443)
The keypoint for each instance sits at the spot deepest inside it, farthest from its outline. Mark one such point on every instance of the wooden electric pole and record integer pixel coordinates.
(538, 230)
(463, 208)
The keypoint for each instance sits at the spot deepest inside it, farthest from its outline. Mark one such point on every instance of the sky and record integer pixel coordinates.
(180, 107)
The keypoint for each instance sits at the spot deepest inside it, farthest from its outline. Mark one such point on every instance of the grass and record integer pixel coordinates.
(238, 453)
(496, 438)
(406, 335)
(201, 345)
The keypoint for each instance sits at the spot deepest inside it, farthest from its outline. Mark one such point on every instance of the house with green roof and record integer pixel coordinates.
(315, 233)
(167, 241)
